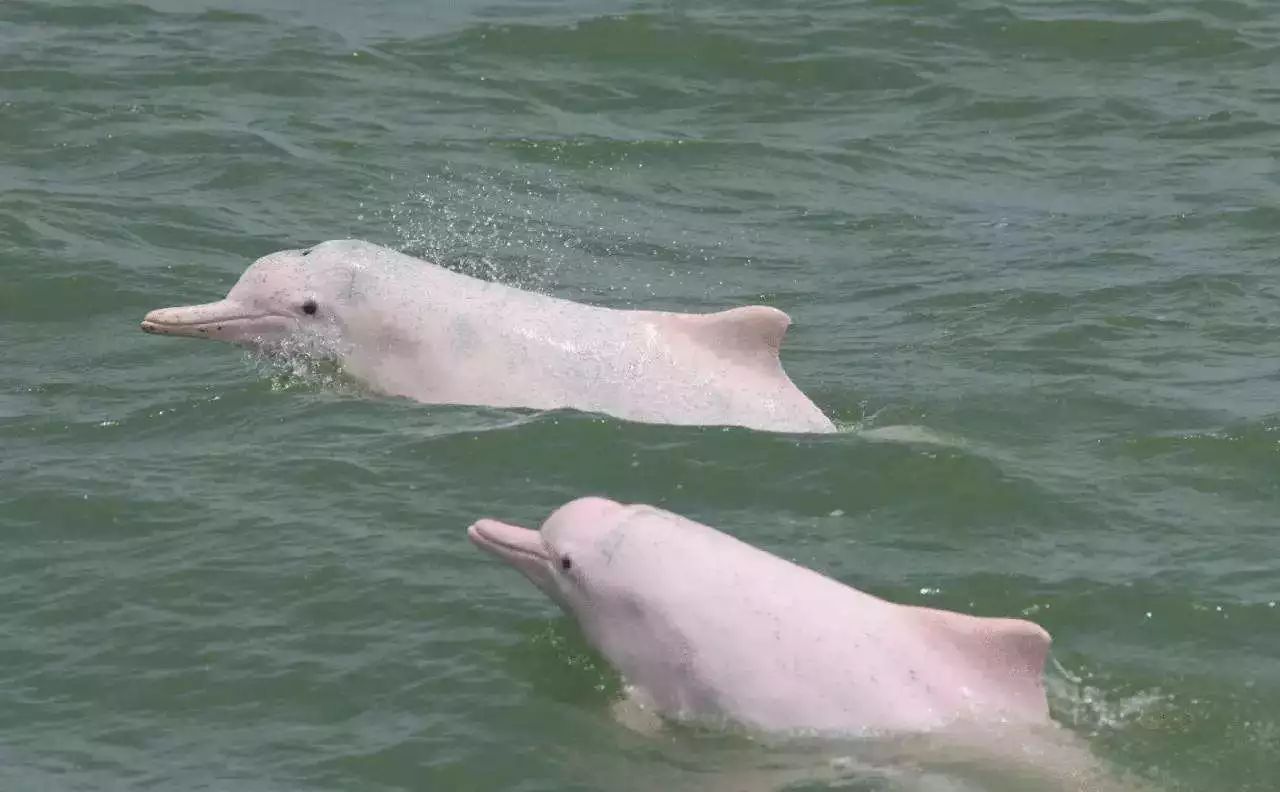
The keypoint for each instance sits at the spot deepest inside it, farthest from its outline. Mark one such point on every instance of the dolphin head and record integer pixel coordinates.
(563, 559)
(626, 574)
(280, 296)
(605, 563)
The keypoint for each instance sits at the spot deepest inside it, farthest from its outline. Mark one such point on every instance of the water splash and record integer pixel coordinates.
(1091, 709)
(493, 226)
(302, 362)
(528, 227)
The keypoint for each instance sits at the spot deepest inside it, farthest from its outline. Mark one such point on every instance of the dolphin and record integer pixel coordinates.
(407, 327)
(705, 627)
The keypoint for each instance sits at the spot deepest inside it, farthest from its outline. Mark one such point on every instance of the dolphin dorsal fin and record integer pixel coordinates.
(752, 333)
(1014, 649)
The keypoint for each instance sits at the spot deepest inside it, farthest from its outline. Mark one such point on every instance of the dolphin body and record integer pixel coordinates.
(705, 627)
(406, 327)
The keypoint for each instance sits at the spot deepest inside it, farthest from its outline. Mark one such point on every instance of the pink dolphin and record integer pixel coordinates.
(410, 328)
(703, 626)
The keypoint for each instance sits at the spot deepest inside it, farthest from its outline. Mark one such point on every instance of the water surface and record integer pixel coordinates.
(1041, 235)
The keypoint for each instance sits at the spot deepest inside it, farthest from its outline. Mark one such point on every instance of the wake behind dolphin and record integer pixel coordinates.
(406, 327)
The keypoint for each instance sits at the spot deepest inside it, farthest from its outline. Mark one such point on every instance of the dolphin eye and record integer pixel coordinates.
(309, 307)
(566, 564)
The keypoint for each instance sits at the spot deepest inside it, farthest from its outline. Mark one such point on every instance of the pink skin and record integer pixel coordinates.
(410, 328)
(704, 626)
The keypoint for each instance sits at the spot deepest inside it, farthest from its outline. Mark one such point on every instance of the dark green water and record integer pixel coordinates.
(1041, 234)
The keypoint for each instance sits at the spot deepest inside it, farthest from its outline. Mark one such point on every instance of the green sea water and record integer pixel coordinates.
(1030, 249)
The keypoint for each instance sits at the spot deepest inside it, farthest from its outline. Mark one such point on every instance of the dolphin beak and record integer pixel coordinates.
(519, 547)
(227, 320)
(511, 543)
